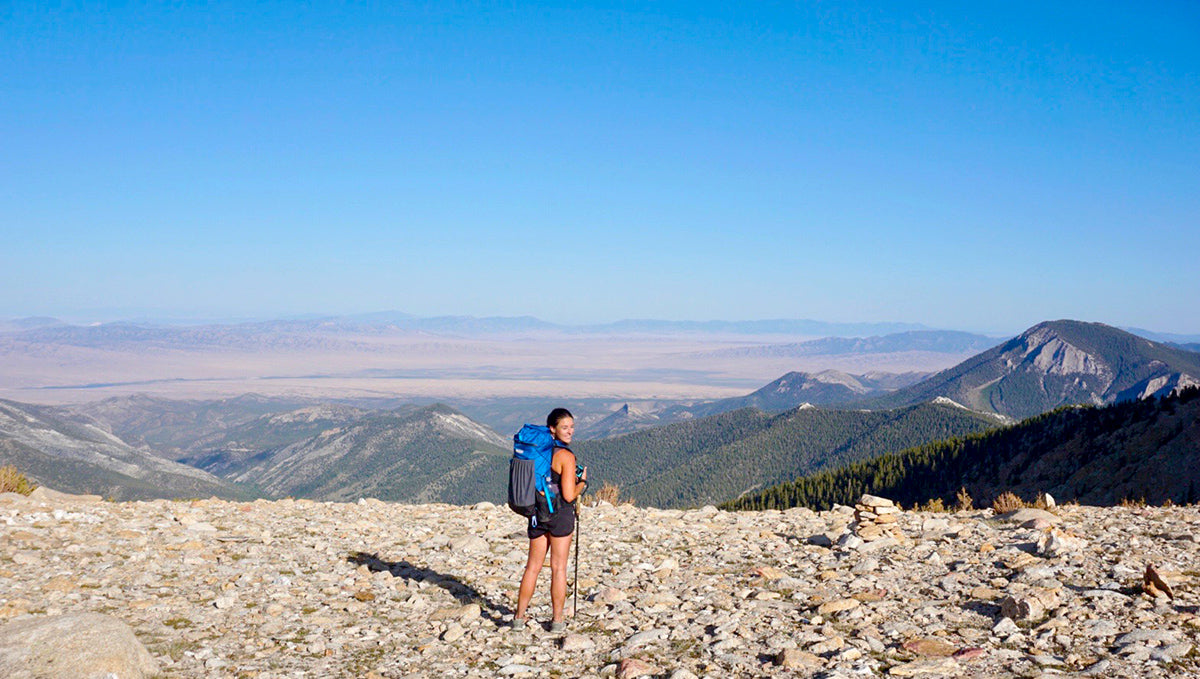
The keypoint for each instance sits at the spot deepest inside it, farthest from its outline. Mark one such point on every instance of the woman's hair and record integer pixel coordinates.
(556, 416)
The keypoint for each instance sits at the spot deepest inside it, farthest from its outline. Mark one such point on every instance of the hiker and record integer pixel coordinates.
(551, 531)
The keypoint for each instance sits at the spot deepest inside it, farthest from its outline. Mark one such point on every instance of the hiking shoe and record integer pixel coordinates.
(557, 627)
(518, 624)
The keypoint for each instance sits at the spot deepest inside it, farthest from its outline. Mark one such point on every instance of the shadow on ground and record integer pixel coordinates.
(464, 593)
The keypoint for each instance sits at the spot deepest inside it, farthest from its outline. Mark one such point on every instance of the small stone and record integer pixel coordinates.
(850, 541)
(1022, 515)
(1056, 542)
(647, 637)
(610, 595)
(838, 606)
(970, 653)
(454, 632)
(829, 645)
(986, 593)
(792, 658)
(576, 642)
(929, 647)
(61, 583)
(1005, 627)
(469, 544)
(1171, 653)
(469, 612)
(1143, 635)
(820, 540)
(1022, 608)
(630, 668)
(871, 595)
(875, 501)
(1153, 583)
(940, 667)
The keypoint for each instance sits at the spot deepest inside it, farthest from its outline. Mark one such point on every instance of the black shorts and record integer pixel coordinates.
(560, 525)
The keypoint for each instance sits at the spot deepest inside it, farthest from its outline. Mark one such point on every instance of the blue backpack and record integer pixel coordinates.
(529, 469)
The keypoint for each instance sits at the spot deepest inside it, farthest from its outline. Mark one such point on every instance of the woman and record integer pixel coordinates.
(553, 535)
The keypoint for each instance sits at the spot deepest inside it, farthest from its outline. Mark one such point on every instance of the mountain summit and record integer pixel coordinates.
(1059, 363)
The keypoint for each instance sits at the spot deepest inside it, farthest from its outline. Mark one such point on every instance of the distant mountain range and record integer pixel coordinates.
(1143, 450)
(940, 341)
(826, 388)
(81, 457)
(471, 325)
(1053, 364)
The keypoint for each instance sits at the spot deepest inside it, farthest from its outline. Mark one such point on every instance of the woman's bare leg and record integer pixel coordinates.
(560, 552)
(537, 557)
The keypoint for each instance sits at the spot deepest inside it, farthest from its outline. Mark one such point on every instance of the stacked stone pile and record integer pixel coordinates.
(875, 519)
(268, 590)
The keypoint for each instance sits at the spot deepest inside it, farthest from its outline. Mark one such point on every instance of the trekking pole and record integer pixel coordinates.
(575, 584)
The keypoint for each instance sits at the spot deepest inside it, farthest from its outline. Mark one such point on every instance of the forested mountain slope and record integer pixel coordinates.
(430, 454)
(716, 458)
(1142, 450)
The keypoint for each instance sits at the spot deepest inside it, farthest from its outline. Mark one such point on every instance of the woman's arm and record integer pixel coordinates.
(564, 464)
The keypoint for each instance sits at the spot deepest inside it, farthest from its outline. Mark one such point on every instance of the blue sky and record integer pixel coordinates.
(979, 166)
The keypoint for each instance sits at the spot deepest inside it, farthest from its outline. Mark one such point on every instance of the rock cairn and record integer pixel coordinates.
(293, 588)
(875, 518)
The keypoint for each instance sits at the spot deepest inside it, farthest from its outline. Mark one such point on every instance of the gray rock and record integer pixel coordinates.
(44, 494)
(1022, 608)
(516, 669)
(876, 501)
(1171, 653)
(469, 544)
(576, 642)
(1005, 627)
(820, 540)
(1029, 514)
(647, 637)
(72, 646)
(1146, 635)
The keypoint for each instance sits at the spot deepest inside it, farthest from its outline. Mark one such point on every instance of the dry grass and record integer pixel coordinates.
(1007, 502)
(934, 505)
(609, 493)
(13, 481)
(963, 501)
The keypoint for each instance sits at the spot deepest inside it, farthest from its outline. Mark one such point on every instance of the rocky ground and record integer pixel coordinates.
(370, 589)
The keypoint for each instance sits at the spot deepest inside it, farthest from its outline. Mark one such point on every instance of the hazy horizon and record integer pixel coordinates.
(169, 318)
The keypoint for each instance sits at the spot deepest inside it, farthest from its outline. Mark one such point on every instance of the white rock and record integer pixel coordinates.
(72, 645)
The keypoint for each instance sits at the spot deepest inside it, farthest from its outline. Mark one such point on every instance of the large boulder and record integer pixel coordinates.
(49, 495)
(72, 646)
